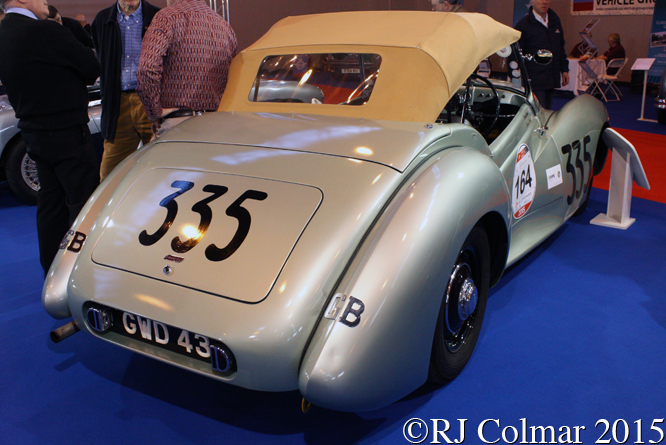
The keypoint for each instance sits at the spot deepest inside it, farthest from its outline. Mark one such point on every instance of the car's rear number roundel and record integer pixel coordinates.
(235, 210)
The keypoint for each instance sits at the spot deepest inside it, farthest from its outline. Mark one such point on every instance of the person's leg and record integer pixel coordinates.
(142, 125)
(125, 141)
(77, 170)
(52, 214)
(545, 97)
(67, 169)
(548, 100)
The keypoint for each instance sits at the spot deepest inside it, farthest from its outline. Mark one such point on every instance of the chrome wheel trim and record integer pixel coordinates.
(461, 302)
(29, 172)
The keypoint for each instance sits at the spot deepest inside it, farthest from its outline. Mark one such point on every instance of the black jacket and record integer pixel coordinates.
(45, 70)
(75, 27)
(536, 36)
(106, 37)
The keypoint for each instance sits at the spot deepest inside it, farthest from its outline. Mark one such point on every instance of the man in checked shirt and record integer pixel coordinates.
(117, 32)
(184, 63)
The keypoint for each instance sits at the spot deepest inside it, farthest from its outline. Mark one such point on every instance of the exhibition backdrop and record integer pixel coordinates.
(520, 8)
(612, 7)
(596, 7)
(657, 44)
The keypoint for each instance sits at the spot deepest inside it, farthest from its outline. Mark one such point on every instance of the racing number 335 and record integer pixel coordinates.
(235, 210)
(587, 158)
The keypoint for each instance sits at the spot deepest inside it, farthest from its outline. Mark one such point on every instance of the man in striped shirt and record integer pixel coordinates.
(184, 63)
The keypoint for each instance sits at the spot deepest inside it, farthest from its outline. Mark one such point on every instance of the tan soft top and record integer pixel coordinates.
(426, 56)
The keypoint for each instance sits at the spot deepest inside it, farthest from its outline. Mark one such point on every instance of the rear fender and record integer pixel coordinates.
(54, 292)
(582, 120)
(372, 344)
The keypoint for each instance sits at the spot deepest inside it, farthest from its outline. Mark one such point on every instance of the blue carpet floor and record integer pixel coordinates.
(574, 333)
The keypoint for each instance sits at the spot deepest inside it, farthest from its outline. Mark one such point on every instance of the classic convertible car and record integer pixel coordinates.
(15, 164)
(332, 233)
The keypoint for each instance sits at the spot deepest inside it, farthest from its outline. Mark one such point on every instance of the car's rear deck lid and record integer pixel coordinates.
(195, 227)
(394, 144)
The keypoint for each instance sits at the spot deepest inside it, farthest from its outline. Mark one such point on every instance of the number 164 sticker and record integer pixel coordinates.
(524, 182)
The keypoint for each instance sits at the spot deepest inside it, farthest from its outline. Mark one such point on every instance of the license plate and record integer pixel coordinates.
(160, 334)
(350, 71)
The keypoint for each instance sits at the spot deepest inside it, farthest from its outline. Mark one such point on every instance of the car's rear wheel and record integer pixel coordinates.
(21, 172)
(462, 310)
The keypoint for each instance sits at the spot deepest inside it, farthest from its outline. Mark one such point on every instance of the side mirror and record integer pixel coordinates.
(542, 57)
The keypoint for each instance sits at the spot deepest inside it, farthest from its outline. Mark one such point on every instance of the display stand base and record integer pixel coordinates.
(604, 220)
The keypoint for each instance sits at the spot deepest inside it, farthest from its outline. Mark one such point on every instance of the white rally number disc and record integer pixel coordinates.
(524, 182)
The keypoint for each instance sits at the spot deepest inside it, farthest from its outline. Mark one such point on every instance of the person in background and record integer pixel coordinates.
(46, 72)
(54, 14)
(541, 29)
(180, 73)
(117, 33)
(615, 49)
(578, 50)
(82, 20)
(447, 5)
(73, 25)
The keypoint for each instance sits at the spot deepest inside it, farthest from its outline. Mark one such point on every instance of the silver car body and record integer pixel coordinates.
(340, 229)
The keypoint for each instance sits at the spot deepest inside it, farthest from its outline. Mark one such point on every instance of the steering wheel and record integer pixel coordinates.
(473, 112)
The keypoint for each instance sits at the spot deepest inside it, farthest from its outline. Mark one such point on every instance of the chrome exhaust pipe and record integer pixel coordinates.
(63, 332)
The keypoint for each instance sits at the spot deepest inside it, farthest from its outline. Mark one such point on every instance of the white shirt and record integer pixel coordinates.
(541, 20)
(22, 11)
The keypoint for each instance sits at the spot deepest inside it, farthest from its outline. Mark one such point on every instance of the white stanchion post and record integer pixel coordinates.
(619, 194)
(624, 171)
(643, 64)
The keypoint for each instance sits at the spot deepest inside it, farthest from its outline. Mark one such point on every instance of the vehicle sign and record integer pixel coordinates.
(350, 71)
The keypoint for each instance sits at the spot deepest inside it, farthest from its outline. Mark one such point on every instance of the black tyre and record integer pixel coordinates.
(661, 116)
(21, 172)
(463, 308)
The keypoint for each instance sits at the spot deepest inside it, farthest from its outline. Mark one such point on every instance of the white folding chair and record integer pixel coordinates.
(612, 74)
(593, 80)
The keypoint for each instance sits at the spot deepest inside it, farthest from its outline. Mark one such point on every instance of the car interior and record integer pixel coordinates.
(488, 101)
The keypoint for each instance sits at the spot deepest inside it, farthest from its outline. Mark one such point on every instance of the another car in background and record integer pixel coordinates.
(15, 165)
(342, 64)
